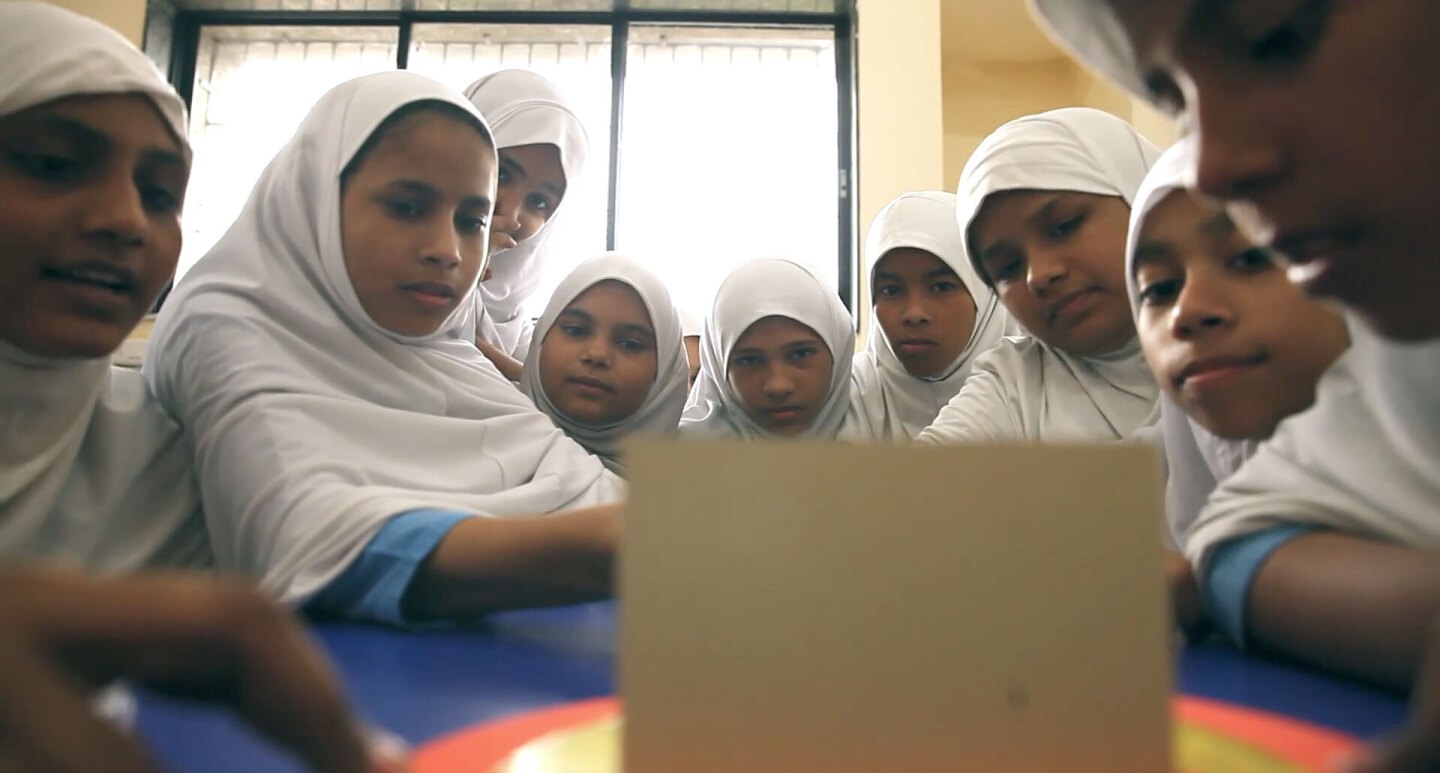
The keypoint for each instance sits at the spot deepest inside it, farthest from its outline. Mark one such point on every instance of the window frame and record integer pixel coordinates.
(184, 49)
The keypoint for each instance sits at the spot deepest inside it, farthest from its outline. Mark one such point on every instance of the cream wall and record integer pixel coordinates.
(980, 96)
(127, 16)
(999, 65)
(899, 111)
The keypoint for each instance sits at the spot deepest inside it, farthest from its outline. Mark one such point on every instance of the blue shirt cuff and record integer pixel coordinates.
(1231, 570)
(373, 586)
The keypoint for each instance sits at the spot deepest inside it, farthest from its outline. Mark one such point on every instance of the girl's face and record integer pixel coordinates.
(781, 371)
(1057, 261)
(532, 185)
(91, 189)
(1233, 343)
(414, 217)
(598, 362)
(923, 308)
(1314, 120)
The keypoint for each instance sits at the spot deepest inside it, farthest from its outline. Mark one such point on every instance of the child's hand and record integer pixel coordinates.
(1417, 748)
(63, 633)
(1184, 595)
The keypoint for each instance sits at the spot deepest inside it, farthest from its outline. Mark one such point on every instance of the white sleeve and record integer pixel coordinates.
(1331, 467)
(982, 411)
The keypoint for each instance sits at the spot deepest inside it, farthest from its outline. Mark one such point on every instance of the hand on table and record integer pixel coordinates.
(1416, 749)
(63, 634)
(1184, 596)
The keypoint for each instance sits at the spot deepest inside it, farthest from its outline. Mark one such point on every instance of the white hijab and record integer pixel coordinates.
(1196, 459)
(92, 472)
(768, 287)
(1025, 389)
(892, 403)
(314, 425)
(523, 108)
(660, 413)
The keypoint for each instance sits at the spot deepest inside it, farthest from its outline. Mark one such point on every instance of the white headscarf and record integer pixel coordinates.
(1362, 460)
(92, 472)
(768, 287)
(660, 413)
(1023, 388)
(314, 425)
(1197, 460)
(523, 108)
(892, 403)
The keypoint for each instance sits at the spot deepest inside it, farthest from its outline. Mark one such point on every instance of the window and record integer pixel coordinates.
(729, 152)
(733, 140)
(253, 86)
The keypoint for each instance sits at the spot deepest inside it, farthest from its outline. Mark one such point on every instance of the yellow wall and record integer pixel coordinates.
(901, 128)
(127, 16)
(980, 96)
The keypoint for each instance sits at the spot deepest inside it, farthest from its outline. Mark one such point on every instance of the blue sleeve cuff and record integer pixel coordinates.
(1232, 568)
(373, 586)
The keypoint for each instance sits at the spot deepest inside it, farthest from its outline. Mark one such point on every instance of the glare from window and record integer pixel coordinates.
(729, 135)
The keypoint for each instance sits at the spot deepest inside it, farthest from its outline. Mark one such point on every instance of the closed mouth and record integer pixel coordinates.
(1064, 305)
(917, 342)
(430, 288)
(105, 276)
(1211, 369)
(784, 413)
(593, 383)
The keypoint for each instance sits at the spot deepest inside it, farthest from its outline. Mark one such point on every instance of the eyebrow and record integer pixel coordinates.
(574, 312)
(634, 328)
(82, 132)
(414, 186)
(426, 189)
(1219, 225)
(1046, 211)
(1040, 215)
(514, 165)
(556, 188)
(1150, 252)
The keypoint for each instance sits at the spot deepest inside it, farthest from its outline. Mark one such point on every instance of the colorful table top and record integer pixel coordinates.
(425, 686)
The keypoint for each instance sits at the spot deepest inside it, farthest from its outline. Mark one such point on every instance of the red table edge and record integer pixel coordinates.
(483, 747)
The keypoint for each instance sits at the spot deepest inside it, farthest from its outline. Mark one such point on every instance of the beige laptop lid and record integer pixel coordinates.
(803, 608)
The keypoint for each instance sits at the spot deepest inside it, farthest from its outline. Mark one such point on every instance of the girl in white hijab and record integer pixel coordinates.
(775, 358)
(1235, 347)
(348, 444)
(1043, 211)
(92, 471)
(525, 111)
(894, 403)
(1357, 593)
(609, 363)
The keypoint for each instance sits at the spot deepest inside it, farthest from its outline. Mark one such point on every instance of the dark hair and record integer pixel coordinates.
(388, 125)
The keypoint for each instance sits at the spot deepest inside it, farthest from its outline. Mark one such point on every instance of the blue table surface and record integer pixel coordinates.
(426, 685)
